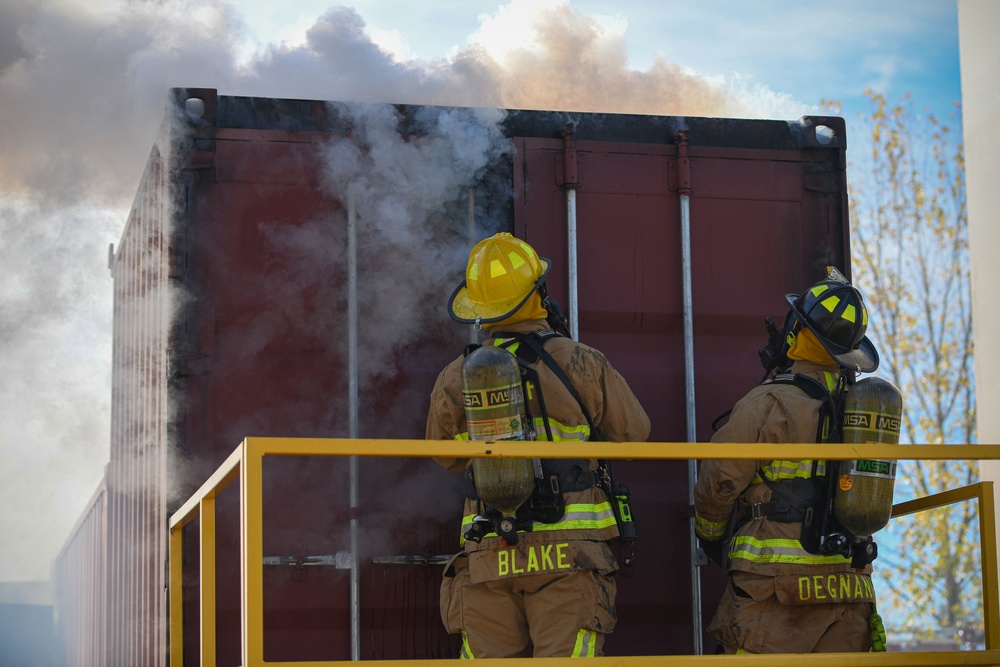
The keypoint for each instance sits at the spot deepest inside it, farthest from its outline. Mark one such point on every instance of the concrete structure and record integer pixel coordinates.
(980, 59)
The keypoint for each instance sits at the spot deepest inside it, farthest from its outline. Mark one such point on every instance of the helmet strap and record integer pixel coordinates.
(773, 356)
(555, 317)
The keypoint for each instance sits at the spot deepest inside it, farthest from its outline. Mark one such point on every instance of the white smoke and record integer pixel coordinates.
(408, 193)
(82, 93)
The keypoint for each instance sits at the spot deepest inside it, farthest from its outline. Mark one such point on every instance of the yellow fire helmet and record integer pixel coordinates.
(503, 271)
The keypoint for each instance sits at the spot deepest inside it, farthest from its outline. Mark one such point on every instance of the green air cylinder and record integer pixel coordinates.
(862, 500)
(494, 410)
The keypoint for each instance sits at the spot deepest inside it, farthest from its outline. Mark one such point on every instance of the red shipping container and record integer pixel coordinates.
(285, 270)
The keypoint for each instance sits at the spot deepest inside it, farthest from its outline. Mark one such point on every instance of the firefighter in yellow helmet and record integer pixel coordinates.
(552, 594)
(788, 591)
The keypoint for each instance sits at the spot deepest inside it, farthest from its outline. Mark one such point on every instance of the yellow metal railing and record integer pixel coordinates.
(246, 463)
(983, 492)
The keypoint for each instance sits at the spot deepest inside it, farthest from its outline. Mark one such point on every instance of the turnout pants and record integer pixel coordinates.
(564, 614)
(756, 615)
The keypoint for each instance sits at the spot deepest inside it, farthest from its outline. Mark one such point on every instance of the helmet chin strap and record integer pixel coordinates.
(555, 317)
(774, 355)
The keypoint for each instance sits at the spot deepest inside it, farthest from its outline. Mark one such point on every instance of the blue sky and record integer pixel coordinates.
(808, 52)
(82, 88)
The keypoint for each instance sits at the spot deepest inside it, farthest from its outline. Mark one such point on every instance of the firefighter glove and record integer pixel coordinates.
(715, 551)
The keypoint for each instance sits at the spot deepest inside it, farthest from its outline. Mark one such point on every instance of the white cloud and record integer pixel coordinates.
(392, 43)
(515, 27)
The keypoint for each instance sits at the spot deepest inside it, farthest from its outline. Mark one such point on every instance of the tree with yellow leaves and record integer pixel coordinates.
(910, 257)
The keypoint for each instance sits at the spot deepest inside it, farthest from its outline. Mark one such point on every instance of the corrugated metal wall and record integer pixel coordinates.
(136, 478)
(81, 578)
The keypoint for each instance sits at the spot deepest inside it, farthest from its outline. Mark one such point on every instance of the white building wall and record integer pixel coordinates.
(979, 50)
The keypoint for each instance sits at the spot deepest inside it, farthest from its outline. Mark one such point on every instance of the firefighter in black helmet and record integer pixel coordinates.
(834, 311)
(786, 594)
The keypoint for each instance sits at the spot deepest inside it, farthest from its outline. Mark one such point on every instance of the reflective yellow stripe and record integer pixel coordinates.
(466, 653)
(585, 645)
(497, 269)
(831, 380)
(750, 548)
(831, 303)
(561, 432)
(516, 261)
(778, 470)
(710, 530)
(582, 516)
(578, 516)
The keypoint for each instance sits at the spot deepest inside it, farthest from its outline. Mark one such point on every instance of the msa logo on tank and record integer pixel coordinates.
(871, 421)
(494, 413)
(499, 397)
(494, 410)
(883, 469)
(493, 395)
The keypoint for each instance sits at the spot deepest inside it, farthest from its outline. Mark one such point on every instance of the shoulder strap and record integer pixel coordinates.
(830, 410)
(618, 494)
(535, 341)
(818, 518)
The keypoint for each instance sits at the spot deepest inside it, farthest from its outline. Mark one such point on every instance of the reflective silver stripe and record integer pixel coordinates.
(585, 645)
(582, 517)
(578, 516)
(712, 530)
(600, 515)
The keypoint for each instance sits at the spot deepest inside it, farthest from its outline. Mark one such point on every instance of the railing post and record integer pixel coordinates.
(252, 552)
(175, 588)
(988, 555)
(207, 583)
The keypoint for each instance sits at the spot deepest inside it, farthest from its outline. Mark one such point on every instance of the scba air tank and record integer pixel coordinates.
(873, 413)
(494, 410)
